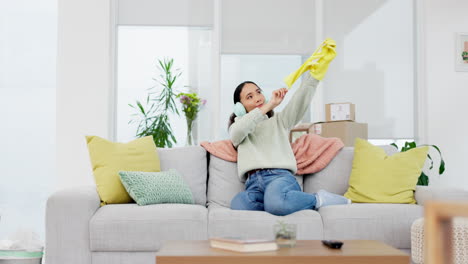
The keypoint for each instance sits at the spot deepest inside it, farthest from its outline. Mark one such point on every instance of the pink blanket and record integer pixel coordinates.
(312, 152)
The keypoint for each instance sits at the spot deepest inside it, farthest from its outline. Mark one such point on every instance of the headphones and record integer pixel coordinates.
(239, 109)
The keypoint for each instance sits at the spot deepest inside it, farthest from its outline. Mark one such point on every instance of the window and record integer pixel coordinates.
(139, 48)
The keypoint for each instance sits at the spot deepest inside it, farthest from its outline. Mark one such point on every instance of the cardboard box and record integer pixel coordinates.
(340, 112)
(299, 130)
(347, 131)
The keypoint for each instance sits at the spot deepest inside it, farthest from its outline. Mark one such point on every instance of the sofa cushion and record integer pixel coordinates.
(191, 163)
(379, 178)
(108, 158)
(335, 177)
(156, 187)
(224, 222)
(130, 227)
(390, 223)
(224, 183)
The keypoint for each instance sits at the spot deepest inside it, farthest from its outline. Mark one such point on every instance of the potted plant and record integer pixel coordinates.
(465, 56)
(285, 234)
(423, 178)
(153, 118)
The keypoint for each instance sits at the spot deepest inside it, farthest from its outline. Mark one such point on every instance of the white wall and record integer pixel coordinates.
(447, 90)
(374, 66)
(83, 81)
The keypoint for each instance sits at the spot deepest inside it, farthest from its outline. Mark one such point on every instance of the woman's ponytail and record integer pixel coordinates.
(232, 119)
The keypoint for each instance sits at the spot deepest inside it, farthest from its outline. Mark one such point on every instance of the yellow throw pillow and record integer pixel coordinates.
(108, 158)
(378, 178)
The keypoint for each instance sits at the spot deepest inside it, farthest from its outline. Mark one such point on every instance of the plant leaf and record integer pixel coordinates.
(442, 162)
(142, 109)
(442, 167)
(436, 148)
(423, 179)
(432, 162)
(405, 147)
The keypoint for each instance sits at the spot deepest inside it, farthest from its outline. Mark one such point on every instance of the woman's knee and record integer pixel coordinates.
(277, 207)
(242, 201)
(239, 201)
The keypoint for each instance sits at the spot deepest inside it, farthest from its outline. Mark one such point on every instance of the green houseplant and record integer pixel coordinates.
(465, 56)
(285, 234)
(423, 178)
(153, 117)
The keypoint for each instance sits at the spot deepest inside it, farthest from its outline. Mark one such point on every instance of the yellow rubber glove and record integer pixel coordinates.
(317, 64)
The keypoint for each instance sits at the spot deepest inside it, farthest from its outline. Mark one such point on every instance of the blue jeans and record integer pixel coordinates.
(275, 191)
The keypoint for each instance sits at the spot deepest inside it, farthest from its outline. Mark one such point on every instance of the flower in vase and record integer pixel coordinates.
(191, 105)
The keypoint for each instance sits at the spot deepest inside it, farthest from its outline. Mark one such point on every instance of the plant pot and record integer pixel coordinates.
(285, 235)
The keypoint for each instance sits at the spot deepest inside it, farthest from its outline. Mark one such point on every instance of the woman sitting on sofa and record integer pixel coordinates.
(265, 157)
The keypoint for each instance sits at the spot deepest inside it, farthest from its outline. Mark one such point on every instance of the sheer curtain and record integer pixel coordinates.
(27, 109)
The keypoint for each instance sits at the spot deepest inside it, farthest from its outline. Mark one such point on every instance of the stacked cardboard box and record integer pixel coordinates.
(340, 112)
(340, 124)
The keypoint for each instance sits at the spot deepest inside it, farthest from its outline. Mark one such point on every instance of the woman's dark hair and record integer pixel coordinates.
(236, 98)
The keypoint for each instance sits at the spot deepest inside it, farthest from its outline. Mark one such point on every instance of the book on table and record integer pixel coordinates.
(243, 245)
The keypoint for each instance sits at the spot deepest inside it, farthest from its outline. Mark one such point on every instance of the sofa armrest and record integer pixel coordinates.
(427, 193)
(67, 225)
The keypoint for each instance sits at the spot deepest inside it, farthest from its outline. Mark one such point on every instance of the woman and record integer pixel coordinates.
(265, 157)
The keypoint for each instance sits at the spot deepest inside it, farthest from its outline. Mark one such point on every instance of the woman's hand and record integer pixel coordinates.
(277, 96)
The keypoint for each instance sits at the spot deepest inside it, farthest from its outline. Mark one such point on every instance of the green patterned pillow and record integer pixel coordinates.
(156, 187)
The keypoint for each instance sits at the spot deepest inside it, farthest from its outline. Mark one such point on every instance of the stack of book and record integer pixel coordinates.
(243, 245)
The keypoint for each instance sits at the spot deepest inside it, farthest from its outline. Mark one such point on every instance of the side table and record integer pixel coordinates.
(460, 240)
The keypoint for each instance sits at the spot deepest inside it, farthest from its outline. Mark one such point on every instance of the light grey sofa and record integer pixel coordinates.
(78, 230)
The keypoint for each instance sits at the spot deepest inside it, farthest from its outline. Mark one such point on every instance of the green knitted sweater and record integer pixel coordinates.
(263, 142)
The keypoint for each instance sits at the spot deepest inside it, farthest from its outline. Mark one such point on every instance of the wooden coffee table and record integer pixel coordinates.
(306, 251)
